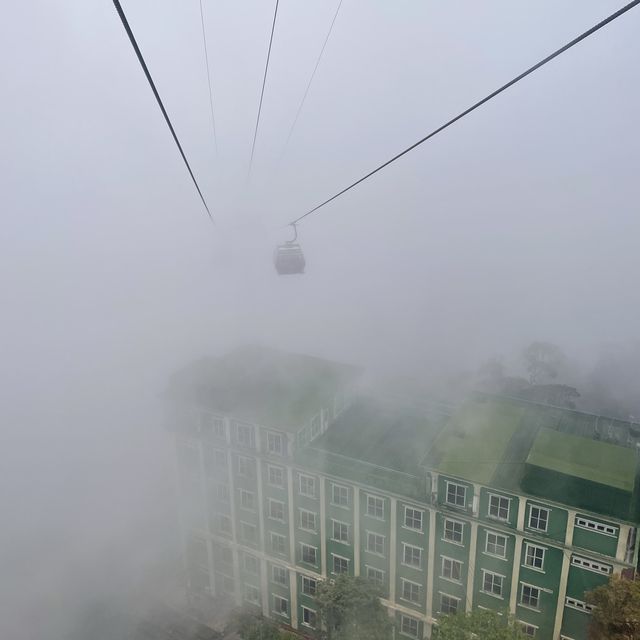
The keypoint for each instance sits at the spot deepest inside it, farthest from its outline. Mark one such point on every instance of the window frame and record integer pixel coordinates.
(249, 462)
(530, 519)
(493, 575)
(536, 547)
(279, 437)
(526, 605)
(311, 611)
(381, 581)
(375, 498)
(587, 564)
(278, 597)
(334, 557)
(375, 535)
(412, 584)
(248, 585)
(454, 562)
(347, 504)
(243, 493)
(306, 477)
(276, 567)
(274, 501)
(599, 527)
(405, 546)
(452, 598)
(247, 556)
(486, 544)
(340, 524)
(444, 531)
(273, 535)
(411, 620)
(498, 516)
(306, 512)
(244, 427)
(304, 546)
(243, 526)
(308, 592)
(281, 470)
(456, 486)
(415, 510)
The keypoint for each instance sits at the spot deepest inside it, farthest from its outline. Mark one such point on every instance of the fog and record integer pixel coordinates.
(519, 223)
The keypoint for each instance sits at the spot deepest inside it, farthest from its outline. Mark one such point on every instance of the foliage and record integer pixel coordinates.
(350, 609)
(616, 615)
(487, 625)
(543, 360)
(250, 626)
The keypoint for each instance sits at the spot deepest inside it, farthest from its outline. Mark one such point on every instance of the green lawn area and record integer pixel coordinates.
(600, 462)
(475, 441)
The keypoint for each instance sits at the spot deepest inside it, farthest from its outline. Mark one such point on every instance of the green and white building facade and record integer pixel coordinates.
(289, 476)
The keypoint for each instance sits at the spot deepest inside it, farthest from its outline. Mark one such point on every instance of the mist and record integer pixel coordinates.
(517, 224)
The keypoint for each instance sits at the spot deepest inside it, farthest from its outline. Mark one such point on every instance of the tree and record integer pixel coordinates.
(487, 625)
(616, 613)
(251, 626)
(543, 360)
(350, 609)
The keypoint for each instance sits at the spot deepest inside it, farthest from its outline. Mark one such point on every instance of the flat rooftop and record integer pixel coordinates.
(535, 449)
(377, 442)
(264, 386)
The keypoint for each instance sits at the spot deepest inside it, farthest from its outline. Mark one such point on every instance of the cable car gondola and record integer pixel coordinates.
(288, 257)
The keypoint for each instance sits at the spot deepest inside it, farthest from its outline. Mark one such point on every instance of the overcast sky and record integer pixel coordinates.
(518, 223)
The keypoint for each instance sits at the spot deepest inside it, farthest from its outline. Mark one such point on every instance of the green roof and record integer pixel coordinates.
(264, 386)
(593, 460)
(475, 441)
(377, 443)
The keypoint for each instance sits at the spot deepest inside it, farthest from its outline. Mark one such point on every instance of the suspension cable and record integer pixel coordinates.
(313, 74)
(466, 112)
(264, 82)
(206, 58)
(143, 64)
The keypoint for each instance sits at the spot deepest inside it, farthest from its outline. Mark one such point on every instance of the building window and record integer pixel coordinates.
(456, 494)
(451, 569)
(276, 510)
(316, 426)
(375, 543)
(309, 586)
(591, 565)
(408, 626)
(275, 444)
(247, 499)
(278, 575)
(308, 617)
(278, 544)
(248, 532)
(276, 477)
(280, 605)
(245, 436)
(413, 518)
(339, 495)
(213, 424)
(245, 467)
(538, 518)
(499, 507)
(307, 520)
(222, 492)
(375, 507)
(448, 604)
(534, 556)
(492, 583)
(340, 531)
(578, 604)
(251, 594)
(453, 531)
(529, 629)
(375, 575)
(411, 556)
(307, 486)
(340, 564)
(251, 564)
(530, 596)
(224, 525)
(410, 591)
(591, 525)
(226, 556)
(308, 553)
(496, 544)
(228, 584)
(220, 458)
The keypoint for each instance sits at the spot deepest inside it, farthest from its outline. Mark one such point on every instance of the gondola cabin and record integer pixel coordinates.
(289, 259)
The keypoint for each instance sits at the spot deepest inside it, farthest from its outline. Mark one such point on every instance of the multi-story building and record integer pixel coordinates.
(289, 476)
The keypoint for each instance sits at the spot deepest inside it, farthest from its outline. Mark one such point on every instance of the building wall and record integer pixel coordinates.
(258, 531)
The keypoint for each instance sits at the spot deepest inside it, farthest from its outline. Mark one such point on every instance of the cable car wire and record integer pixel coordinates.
(143, 64)
(466, 112)
(264, 82)
(313, 75)
(206, 58)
